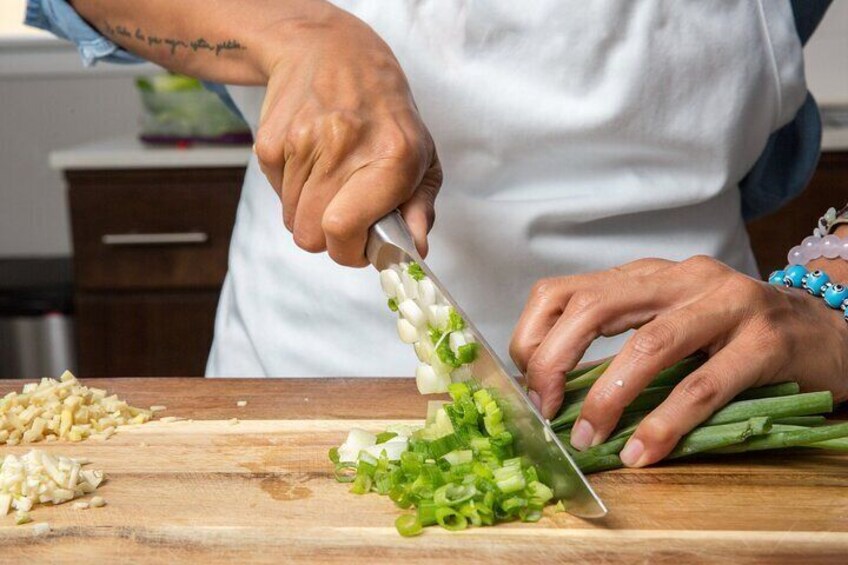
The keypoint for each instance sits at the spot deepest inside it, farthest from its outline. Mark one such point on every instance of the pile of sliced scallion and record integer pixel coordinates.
(460, 469)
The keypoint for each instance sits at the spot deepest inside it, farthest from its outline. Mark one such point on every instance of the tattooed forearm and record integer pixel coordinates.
(174, 44)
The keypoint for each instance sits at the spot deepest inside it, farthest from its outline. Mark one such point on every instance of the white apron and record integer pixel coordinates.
(574, 136)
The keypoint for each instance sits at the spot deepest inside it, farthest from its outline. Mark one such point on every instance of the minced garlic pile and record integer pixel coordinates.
(39, 478)
(63, 409)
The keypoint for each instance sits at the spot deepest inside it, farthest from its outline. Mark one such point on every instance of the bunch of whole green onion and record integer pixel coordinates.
(460, 470)
(768, 417)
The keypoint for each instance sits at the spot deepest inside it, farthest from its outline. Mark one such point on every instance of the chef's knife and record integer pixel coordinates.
(389, 242)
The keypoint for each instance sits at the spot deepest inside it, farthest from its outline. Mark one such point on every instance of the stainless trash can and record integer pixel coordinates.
(36, 322)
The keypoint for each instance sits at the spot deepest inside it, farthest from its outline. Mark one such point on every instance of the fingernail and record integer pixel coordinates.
(535, 399)
(582, 435)
(632, 453)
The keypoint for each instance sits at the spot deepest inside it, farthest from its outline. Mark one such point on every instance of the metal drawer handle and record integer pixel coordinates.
(185, 238)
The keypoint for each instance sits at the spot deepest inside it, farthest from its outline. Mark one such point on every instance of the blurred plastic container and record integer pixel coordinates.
(179, 110)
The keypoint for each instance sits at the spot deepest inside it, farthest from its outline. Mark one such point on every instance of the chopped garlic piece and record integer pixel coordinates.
(38, 477)
(41, 528)
(80, 506)
(97, 502)
(158, 408)
(241, 403)
(63, 409)
(22, 517)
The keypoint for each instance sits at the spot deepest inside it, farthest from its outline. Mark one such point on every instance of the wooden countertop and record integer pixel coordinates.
(207, 491)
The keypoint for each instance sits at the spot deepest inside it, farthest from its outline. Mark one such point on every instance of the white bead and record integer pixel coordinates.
(426, 293)
(389, 280)
(406, 331)
(810, 241)
(410, 310)
(796, 256)
(830, 246)
(830, 215)
(843, 249)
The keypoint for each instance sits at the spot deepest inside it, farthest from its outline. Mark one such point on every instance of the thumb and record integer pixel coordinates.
(419, 211)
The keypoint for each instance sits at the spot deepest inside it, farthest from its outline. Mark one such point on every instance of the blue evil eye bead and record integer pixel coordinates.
(776, 278)
(836, 295)
(816, 282)
(793, 276)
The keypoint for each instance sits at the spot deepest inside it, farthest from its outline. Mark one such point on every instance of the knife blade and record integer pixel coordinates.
(390, 242)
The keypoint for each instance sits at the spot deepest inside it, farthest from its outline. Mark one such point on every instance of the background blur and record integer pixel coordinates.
(62, 125)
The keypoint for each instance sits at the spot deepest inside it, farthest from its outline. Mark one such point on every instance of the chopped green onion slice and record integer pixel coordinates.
(415, 271)
(408, 525)
(383, 437)
(467, 353)
(453, 495)
(450, 519)
(345, 472)
(455, 321)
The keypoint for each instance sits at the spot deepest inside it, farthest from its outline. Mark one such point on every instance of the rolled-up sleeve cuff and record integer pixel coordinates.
(60, 19)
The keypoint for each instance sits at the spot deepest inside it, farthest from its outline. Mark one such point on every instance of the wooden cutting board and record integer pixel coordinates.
(205, 490)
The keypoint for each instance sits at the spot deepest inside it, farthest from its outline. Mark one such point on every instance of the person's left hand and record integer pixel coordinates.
(753, 332)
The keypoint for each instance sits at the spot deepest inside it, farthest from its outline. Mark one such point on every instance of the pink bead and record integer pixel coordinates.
(843, 249)
(810, 253)
(796, 256)
(810, 242)
(830, 246)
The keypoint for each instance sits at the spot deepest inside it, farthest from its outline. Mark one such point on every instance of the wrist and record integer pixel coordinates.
(288, 40)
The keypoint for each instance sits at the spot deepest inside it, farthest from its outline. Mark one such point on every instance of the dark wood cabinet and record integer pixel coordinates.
(150, 256)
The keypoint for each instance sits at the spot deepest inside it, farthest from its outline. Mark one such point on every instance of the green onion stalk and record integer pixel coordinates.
(769, 417)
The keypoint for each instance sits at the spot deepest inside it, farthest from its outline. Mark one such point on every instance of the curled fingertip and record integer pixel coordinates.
(633, 454)
(535, 398)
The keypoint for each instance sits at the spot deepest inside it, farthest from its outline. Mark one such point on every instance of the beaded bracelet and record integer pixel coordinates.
(813, 247)
(816, 283)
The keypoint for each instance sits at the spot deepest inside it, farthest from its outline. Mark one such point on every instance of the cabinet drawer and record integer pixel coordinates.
(152, 229)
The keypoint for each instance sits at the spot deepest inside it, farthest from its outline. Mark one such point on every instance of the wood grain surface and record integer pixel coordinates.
(204, 490)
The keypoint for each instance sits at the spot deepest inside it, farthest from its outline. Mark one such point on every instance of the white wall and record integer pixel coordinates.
(827, 57)
(40, 112)
(49, 101)
(37, 116)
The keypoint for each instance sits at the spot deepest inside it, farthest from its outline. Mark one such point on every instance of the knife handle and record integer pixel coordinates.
(392, 234)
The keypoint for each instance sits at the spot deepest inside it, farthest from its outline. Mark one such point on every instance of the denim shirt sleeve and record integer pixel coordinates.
(60, 19)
